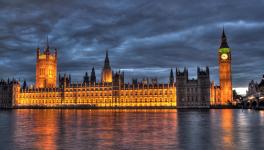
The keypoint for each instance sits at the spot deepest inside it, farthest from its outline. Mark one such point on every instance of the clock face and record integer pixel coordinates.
(224, 56)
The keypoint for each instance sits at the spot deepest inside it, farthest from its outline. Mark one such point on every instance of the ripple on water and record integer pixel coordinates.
(131, 129)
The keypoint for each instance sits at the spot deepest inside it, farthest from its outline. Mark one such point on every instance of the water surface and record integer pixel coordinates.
(131, 129)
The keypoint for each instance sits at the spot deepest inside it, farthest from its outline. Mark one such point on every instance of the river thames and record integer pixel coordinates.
(131, 129)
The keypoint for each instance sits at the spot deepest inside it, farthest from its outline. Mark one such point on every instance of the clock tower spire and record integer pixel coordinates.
(224, 43)
(224, 60)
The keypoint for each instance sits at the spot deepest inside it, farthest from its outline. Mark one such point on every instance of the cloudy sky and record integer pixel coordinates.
(144, 37)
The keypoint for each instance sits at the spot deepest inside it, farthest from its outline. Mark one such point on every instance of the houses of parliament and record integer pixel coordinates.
(113, 92)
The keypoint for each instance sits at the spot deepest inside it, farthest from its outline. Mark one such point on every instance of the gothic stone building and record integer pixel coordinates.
(223, 94)
(112, 91)
(9, 93)
(194, 93)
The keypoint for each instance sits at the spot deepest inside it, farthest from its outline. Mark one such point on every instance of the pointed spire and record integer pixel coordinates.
(47, 41)
(86, 78)
(224, 43)
(47, 45)
(171, 73)
(56, 52)
(223, 33)
(171, 77)
(93, 77)
(24, 84)
(107, 62)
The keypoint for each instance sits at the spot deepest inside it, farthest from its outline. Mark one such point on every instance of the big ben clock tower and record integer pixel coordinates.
(224, 59)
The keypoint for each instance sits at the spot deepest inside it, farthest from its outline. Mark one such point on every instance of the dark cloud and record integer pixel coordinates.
(144, 37)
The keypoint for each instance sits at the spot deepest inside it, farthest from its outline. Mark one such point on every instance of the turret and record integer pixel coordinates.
(106, 75)
(86, 78)
(56, 52)
(107, 62)
(47, 46)
(181, 76)
(38, 52)
(171, 77)
(93, 76)
(46, 68)
(24, 85)
(64, 81)
(134, 81)
(203, 76)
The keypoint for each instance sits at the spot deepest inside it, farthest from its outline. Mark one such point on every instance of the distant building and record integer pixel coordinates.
(194, 93)
(255, 89)
(261, 86)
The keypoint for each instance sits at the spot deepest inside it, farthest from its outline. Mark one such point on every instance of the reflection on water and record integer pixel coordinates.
(131, 129)
(227, 127)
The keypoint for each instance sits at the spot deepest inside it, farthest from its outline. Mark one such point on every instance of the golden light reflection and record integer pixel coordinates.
(37, 129)
(162, 95)
(46, 129)
(95, 129)
(227, 127)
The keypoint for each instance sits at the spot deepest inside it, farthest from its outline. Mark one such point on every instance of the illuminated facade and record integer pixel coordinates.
(107, 71)
(225, 78)
(214, 94)
(101, 95)
(46, 69)
(112, 91)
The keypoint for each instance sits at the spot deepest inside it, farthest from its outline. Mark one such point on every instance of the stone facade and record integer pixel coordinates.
(115, 94)
(112, 91)
(9, 93)
(223, 94)
(255, 89)
(46, 68)
(106, 71)
(215, 94)
(194, 93)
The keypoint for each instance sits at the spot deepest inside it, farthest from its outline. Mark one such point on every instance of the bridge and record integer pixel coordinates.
(254, 101)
